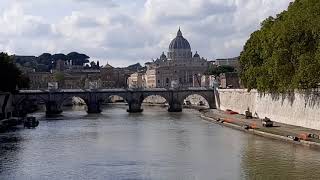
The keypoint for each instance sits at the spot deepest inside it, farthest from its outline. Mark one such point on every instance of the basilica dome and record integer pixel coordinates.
(179, 42)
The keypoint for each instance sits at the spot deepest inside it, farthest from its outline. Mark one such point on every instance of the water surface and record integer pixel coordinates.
(153, 145)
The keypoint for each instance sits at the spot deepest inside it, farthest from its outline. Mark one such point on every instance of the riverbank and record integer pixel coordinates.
(278, 131)
(6, 124)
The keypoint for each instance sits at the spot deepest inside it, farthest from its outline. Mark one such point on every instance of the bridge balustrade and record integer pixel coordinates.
(93, 97)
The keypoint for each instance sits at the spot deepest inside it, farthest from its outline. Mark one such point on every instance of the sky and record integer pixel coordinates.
(124, 32)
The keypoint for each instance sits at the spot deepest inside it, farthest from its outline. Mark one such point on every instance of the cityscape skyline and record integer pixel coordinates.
(126, 32)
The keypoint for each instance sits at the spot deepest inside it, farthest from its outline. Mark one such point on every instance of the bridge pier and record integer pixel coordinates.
(93, 108)
(134, 107)
(53, 108)
(175, 107)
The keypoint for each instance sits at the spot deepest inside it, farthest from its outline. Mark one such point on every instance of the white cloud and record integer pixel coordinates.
(124, 32)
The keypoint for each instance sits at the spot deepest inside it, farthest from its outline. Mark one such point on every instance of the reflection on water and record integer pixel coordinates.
(152, 145)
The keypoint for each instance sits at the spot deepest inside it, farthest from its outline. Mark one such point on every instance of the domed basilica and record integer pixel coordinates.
(179, 68)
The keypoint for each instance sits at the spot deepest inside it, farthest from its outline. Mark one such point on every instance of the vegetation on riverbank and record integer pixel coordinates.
(11, 77)
(285, 53)
(217, 70)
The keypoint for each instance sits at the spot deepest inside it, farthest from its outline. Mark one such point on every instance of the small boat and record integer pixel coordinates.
(266, 122)
(31, 122)
(294, 138)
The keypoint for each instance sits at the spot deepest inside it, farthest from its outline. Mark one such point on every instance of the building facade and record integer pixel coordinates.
(179, 68)
(234, 62)
(137, 80)
(229, 80)
(105, 77)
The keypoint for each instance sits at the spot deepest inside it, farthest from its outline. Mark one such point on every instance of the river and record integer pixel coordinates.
(153, 145)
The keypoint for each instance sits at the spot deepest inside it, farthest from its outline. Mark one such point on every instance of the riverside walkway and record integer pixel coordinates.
(279, 131)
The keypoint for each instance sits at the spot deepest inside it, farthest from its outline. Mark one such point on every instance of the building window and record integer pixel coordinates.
(158, 81)
(167, 80)
(190, 79)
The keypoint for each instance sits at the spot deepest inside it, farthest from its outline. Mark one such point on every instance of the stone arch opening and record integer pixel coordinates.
(114, 99)
(196, 100)
(28, 105)
(77, 103)
(155, 100)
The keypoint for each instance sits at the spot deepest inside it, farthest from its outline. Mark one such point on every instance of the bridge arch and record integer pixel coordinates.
(25, 104)
(113, 99)
(65, 98)
(105, 97)
(207, 96)
(155, 98)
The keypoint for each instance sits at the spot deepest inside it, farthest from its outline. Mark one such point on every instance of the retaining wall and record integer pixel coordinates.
(299, 109)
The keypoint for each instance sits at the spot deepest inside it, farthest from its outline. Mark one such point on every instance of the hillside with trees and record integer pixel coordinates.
(284, 54)
(45, 62)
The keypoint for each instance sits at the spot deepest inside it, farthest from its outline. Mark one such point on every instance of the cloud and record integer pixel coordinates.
(124, 32)
(105, 3)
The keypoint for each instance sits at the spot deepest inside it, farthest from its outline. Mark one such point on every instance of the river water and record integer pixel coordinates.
(153, 145)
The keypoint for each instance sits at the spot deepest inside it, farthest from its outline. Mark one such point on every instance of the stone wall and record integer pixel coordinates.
(297, 109)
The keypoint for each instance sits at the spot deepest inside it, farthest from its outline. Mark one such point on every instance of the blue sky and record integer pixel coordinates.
(124, 32)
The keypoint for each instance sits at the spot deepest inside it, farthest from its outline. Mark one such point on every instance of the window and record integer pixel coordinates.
(167, 80)
(158, 81)
(190, 79)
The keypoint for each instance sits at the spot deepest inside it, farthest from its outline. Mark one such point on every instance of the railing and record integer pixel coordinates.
(114, 90)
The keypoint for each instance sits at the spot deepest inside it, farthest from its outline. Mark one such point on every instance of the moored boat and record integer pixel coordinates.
(31, 122)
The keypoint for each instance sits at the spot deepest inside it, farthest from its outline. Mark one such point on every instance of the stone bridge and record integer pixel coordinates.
(54, 99)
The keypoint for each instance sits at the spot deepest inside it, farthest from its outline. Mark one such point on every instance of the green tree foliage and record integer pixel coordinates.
(10, 75)
(78, 59)
(285, 53)
(217, 70)
(59, 77)
(45, 62)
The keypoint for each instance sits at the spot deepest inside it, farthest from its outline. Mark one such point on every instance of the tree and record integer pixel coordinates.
(217, 70)
(60, 56)
(59, 77)
(93, 64)
(10, 76)
(78, 59)
(285, 53)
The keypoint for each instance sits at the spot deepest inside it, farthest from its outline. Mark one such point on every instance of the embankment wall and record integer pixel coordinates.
(299, 109)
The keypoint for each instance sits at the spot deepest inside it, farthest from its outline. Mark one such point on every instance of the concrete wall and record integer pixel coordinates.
(297, 109)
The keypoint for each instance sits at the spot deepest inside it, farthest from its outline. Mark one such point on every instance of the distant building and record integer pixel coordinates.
(137, 80)
(234, 62)
(179, 68)
(39, 80)
(114, 77)
(60, 65)
(230, 80)
(207, 81)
